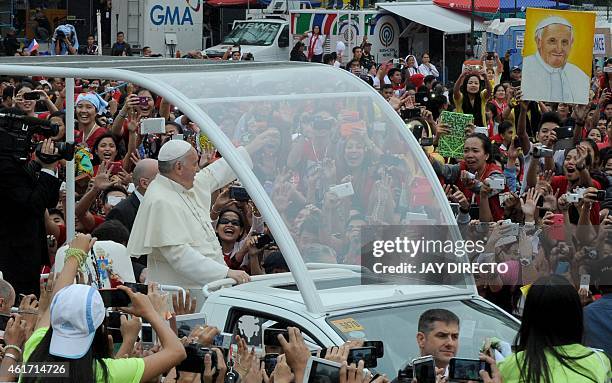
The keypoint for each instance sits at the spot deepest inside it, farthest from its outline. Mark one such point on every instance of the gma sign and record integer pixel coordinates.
(168, 15)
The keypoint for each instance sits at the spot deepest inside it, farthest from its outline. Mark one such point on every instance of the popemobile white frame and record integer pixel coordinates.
(129, 69)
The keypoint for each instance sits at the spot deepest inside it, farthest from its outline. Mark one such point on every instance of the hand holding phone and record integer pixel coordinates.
(270, 336)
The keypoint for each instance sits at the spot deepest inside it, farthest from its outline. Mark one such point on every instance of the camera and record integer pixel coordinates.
(540, 151)
(576, 196)
(497, 183)
(60, 35)
(16, 137)
(195, 358)
(263, 239)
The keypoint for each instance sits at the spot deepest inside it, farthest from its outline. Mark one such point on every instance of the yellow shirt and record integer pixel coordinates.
(126, 370)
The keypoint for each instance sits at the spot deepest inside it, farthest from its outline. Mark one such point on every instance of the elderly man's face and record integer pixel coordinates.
(555, 45)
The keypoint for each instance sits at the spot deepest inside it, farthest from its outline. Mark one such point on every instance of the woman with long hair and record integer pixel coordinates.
(470, 94)
(71, 330)
(315, 44)
(547, 346)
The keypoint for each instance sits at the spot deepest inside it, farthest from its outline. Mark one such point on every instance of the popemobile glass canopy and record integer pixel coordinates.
(344, 152)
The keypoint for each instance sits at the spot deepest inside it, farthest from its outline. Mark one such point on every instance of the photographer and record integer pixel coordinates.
(27, 191)
(65, 41)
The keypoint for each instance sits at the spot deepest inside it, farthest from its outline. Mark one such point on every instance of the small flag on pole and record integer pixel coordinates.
(33, 46)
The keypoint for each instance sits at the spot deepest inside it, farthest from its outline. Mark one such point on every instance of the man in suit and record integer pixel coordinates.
(125, 211)
(27, 191)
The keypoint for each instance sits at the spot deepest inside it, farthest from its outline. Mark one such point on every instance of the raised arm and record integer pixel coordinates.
(457, 87)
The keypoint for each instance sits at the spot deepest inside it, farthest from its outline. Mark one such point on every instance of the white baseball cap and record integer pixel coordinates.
(76, 312)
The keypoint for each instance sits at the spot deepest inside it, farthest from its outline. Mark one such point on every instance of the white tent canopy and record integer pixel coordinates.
(433, 16)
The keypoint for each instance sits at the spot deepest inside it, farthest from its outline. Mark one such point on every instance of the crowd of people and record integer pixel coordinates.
(330, 168)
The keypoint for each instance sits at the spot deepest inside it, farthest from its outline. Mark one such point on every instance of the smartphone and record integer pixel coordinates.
(405, 373)
(367, 354)
(113, 325)
(270, 362)
(147, 335)
(137, 287)
(557, 231)
(421, 98)
(153, 126)
(424, 369)
(455, 208)
(410, 113)
(195, 358)
(239, 193)
(562, 268)
(115, 298)
(31, 96)
(417, 131)
(115, 167)
(564, 132)
(223, 340)
(3, 321)
(343, 190)
(378, 346)
(474, 211)
(270, 336)
(467, 369)
(263, 239)
(321, 370)
(585, 281)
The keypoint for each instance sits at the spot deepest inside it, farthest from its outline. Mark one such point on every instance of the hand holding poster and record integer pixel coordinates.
(558, 55)
(451, 145)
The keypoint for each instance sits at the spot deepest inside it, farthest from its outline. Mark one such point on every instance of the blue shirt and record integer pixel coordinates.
(598, 324)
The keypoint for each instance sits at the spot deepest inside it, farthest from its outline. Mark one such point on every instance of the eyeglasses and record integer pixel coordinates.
(225, 221)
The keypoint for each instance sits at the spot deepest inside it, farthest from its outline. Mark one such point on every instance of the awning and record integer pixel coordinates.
(428, 14)
(494, 6)
(231, 3)
(507, 6)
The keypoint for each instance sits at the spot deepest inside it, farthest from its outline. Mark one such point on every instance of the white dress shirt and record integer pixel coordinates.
(174, 228)
(429, 70)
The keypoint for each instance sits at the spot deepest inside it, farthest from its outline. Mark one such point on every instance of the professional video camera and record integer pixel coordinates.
(17, 137)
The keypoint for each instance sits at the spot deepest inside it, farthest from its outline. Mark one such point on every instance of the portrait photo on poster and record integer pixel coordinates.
(557, 55)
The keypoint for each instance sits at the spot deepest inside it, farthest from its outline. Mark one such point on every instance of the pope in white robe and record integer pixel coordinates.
(547, 75)
(173, 224)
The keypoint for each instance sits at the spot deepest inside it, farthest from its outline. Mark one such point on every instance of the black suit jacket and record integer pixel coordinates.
(23, 238)
(125, 211)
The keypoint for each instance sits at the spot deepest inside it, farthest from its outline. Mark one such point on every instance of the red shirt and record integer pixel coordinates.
(497, 211)
(93, 137)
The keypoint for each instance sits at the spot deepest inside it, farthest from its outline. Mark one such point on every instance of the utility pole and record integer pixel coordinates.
(472, 29)
(515, 9)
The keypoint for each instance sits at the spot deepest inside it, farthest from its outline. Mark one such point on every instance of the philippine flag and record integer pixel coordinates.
(33, 45)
